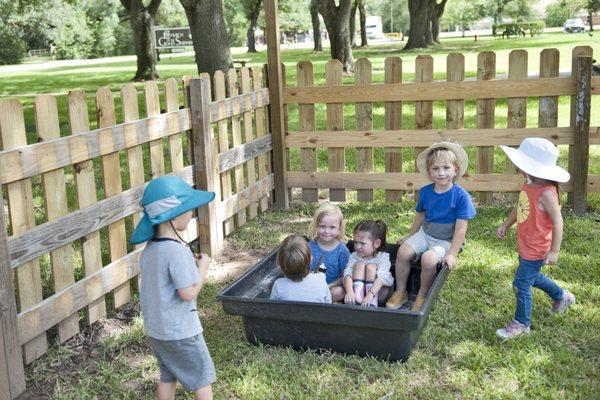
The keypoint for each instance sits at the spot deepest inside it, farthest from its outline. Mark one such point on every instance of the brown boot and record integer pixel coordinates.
(418, 303)
(397, 300)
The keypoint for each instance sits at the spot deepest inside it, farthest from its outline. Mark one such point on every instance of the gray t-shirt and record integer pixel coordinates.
(312, 288)
(166, 266)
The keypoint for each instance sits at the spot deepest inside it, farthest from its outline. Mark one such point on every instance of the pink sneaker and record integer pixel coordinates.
(512, 330)
(359, 291)
(559, 307)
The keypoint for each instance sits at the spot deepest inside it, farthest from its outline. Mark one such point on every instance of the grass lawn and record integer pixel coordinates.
(458, 355)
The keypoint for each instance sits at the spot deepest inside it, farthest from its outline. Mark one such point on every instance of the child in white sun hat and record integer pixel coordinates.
(539, 230)
(171, 278)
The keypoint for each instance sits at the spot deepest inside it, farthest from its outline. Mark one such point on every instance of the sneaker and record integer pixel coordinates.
(512, 330)
(418, 303)
(397, 300)
(559, 307)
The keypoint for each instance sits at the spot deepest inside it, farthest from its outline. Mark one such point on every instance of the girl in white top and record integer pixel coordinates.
(367, 277)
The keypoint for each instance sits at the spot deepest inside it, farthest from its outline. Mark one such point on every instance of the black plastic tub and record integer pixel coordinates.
(350, 329)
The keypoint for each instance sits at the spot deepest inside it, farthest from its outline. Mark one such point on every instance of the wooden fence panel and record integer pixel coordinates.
(517, 107)
(306, 122)
(248, 137)
(455, 109)
(236, 136)
(85, 184)
(55, 196)
(423, 109)
(393, 120)
(21, 211)
(111, 168)
(157, 155)
(548, 106)
(175, 142)
(261, 130)
(335, 122)
(220, 94)
(364, 120)
(582, 135)
(486, 70)
(284, 107)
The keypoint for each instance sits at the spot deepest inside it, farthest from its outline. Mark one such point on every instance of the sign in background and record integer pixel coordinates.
(168, 38)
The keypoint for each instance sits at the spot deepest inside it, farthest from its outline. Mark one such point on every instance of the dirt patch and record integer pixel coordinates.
(233, 262)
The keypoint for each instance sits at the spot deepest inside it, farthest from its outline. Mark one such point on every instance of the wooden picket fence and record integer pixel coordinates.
(395, 136)
(84, 188)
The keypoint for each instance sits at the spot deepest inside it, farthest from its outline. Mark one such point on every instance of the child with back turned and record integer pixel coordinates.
(326, 232)
(298, 284)
(171, 278)
(440, 224)
(539, 230)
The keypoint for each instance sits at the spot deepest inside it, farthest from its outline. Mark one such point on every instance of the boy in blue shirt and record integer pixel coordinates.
(440, 224)
(171, 278)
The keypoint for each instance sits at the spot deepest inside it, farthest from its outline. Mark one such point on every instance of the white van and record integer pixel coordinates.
(374, 27)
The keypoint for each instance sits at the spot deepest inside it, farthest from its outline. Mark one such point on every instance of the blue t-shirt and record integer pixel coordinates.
(443, 209)
(335, 260)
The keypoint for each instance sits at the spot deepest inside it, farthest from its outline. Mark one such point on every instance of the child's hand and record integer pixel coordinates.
(367, 299)
(501, 231)
(349, 298)
(450, 261)
(551, 257)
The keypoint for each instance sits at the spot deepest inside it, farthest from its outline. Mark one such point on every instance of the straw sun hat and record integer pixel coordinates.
(461, 157)
(537, 157)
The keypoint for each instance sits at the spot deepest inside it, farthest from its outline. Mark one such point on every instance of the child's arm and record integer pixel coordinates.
(338, 282)
(549, 203)
(190, 293)
(417, 222)
(510, 220)
(458, 238)
(349, 298)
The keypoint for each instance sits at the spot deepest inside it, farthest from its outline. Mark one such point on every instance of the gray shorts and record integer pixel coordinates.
(187, 361)
(421, 242)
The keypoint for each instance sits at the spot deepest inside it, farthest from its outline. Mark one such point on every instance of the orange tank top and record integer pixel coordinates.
(534, 227)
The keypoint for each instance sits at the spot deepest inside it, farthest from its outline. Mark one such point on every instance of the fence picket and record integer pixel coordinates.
(55, 196)
(111, 168)
(306, 123)
(259, 119)
(517, 107)
(248, 137)
(486, 70)
(393, 120)
(86, 195)
(423, 109)
(157, 155)
(335, 122)
(21, 211)
(548, 106)
(455, 109)
(364, 120)
(175, 143)
(236, 137)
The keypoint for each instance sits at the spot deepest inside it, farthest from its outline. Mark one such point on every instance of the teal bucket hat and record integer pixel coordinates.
(164, 199)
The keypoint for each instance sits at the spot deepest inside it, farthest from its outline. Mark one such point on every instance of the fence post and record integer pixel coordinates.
(276, 104)
(12, 376)
(206, 167)
(582, 134)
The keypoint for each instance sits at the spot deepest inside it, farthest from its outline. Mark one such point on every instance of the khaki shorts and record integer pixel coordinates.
(421, 242)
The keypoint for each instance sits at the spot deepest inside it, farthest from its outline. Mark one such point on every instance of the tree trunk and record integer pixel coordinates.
(420, 28)
(337, 22)
(209, 34)
(141, 19)
(363, 24)
(253, 20)
(436, 15)
(316, 24)
(353, 22)
(590, 19)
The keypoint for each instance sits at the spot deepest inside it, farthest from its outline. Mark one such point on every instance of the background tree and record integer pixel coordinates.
(420, 24)
(337, 22)
(251, 11)
(398, 9)
(557, 13)
(362, 13)
(435, 12)
(141, 18)
(592, 6)
(209, 34)
(463, 13)
(316, 26)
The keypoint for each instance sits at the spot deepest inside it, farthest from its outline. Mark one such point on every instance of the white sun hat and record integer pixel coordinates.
(461, 157)
(537, 157)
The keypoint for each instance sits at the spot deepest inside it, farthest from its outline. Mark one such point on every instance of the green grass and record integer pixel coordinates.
(457, 356)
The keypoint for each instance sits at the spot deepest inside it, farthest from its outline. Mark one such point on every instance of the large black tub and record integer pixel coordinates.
(379, 332)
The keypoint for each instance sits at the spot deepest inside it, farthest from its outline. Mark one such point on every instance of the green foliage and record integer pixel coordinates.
(123, 39)
(237, 24)
(557, 13)
(514, 29)
(72, 37)
(171, 14)
(463, 13)
(12, 47)
(388, 8)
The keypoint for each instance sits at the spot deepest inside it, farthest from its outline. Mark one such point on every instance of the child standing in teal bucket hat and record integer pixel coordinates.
(171, 278)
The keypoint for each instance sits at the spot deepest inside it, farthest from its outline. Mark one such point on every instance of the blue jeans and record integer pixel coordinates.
(527, 275)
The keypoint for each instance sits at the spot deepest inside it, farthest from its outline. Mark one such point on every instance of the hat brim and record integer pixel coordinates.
(461, 157)
(534, 168)
(144, 230)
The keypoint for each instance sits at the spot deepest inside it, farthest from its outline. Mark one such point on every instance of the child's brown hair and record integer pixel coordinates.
(323, 211)
(294, 257)
(441, 153)
(376, 229)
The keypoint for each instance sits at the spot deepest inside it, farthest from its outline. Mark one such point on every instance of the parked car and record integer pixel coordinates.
(574, 25)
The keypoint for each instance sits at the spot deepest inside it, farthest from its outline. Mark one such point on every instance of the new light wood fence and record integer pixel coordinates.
(485, 90)
(71, 200)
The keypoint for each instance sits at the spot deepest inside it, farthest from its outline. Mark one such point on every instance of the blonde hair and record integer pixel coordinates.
(324, 210)
(441, 154)
(294, 257)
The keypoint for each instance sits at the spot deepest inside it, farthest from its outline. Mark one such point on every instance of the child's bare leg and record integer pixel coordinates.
(403, 257)
(204, 393)
(166, 390)
(429, 262)
(337, 293)
(358, 276)
(370, 275)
